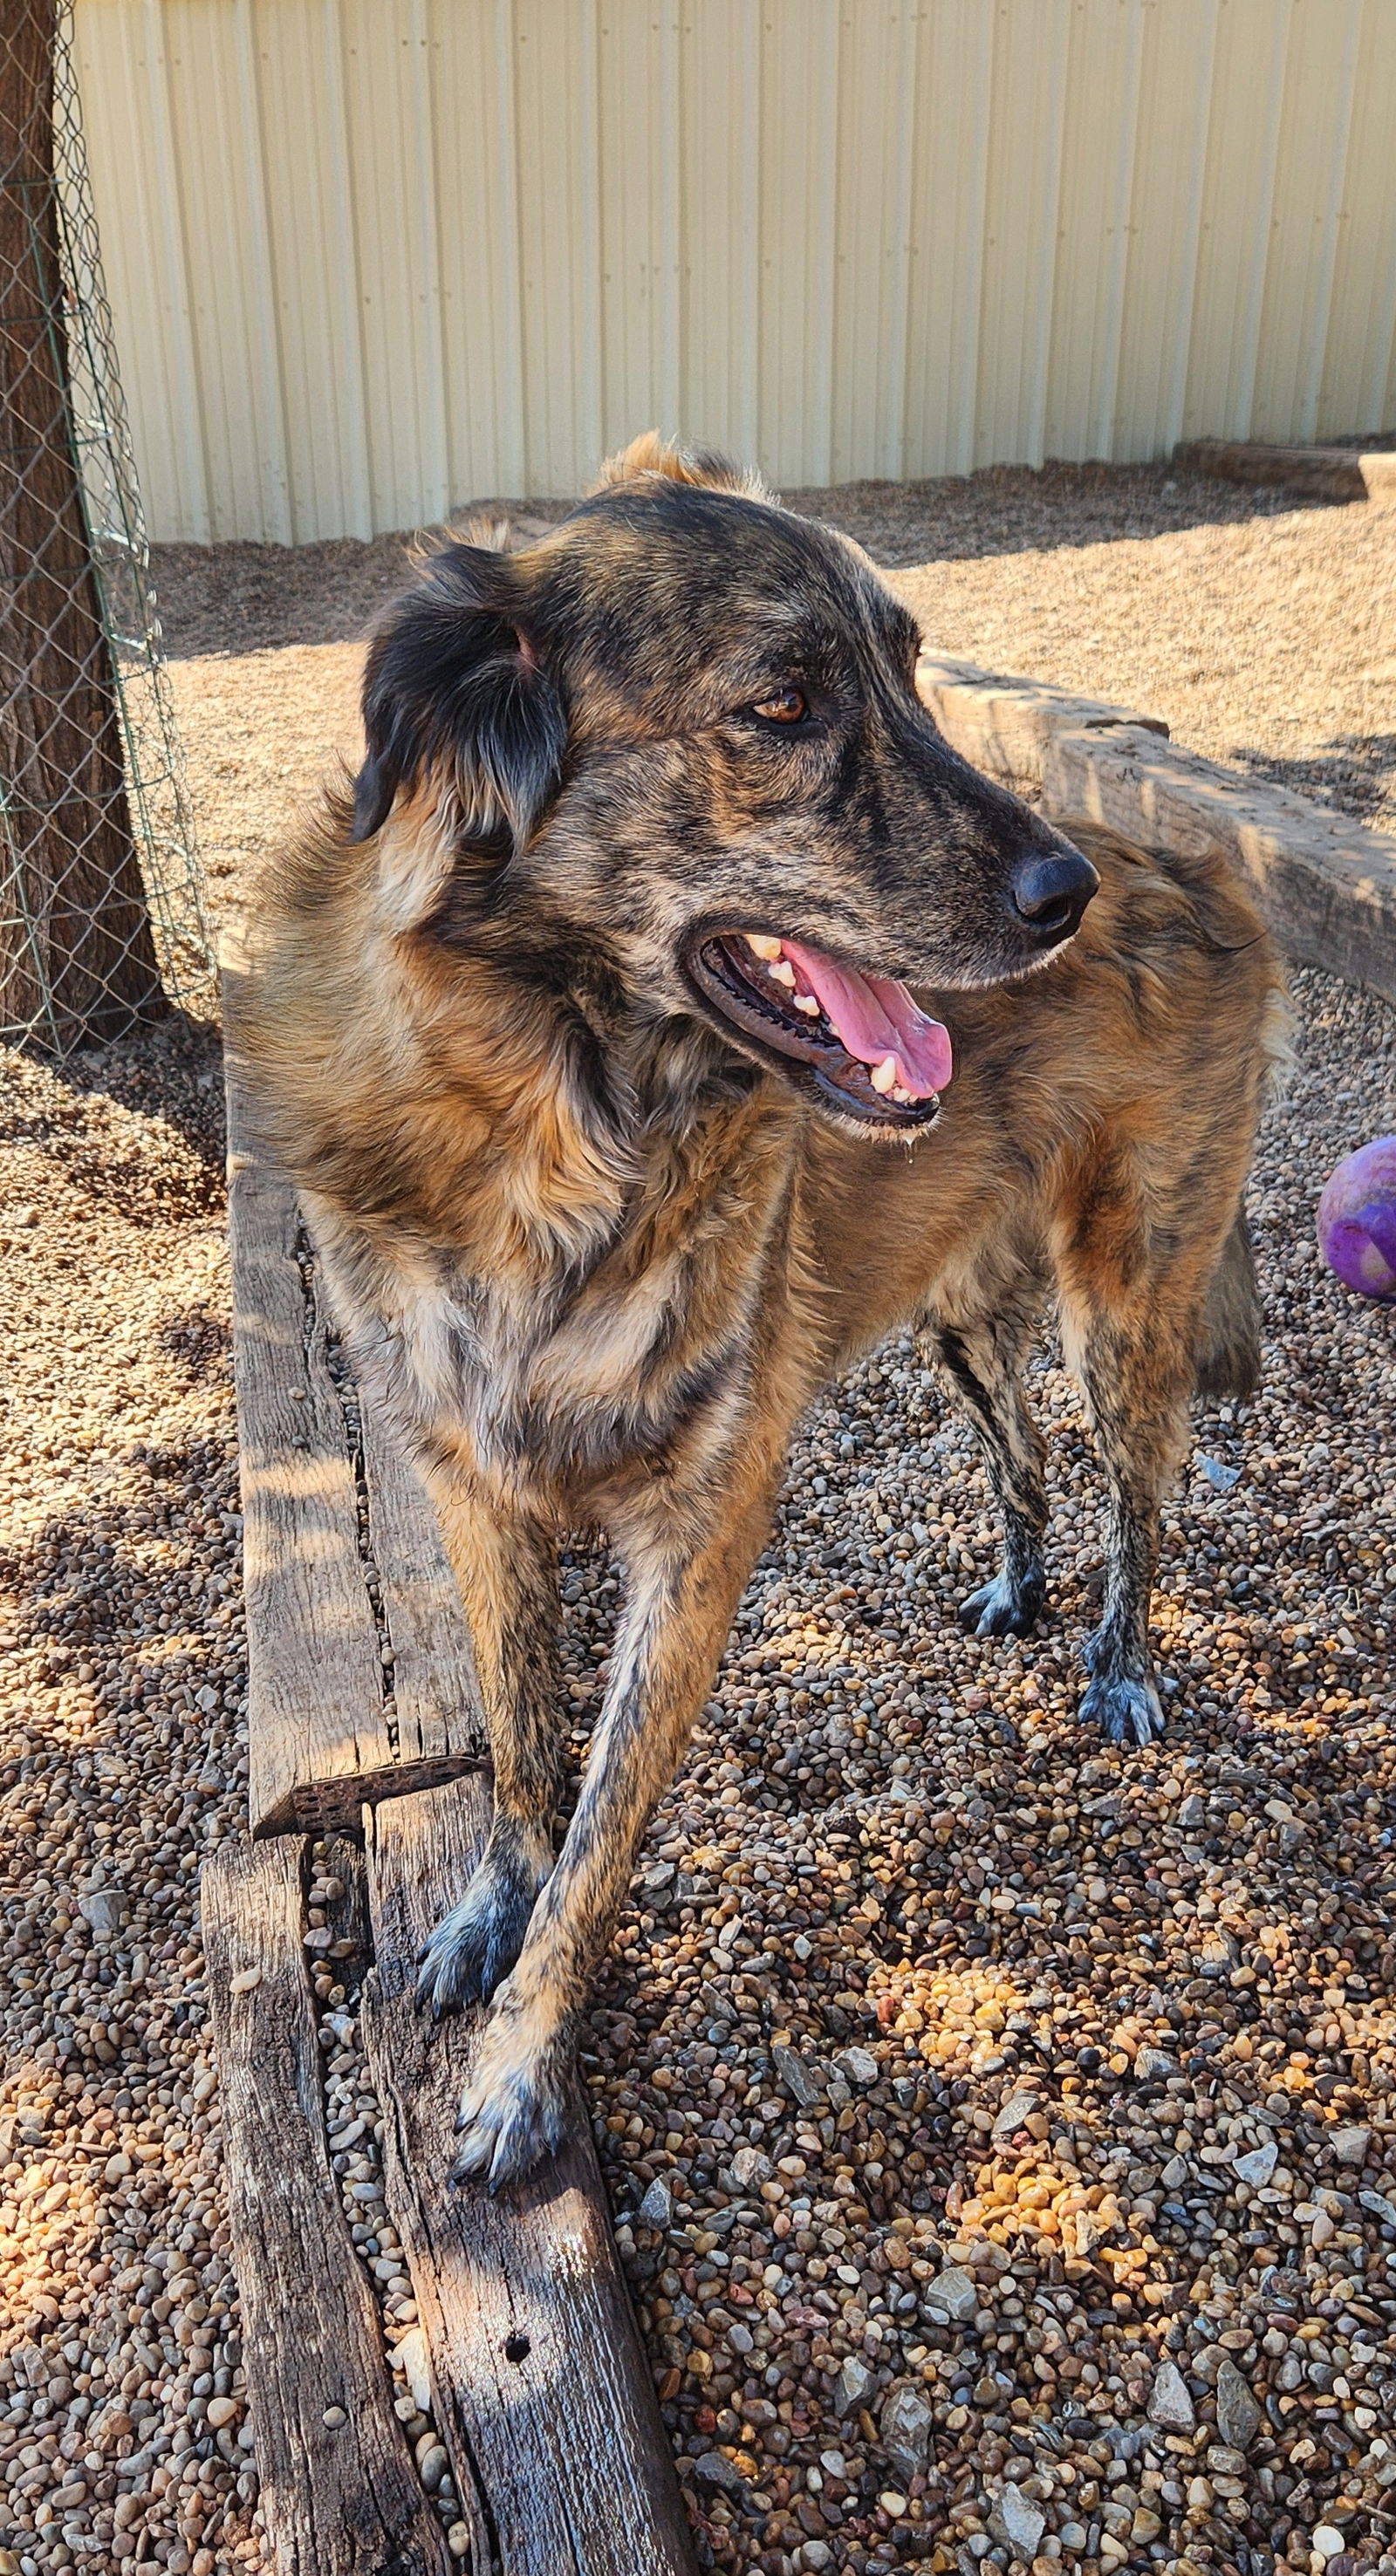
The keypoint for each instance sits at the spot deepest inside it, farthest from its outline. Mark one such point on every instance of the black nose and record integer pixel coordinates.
(1050, 893)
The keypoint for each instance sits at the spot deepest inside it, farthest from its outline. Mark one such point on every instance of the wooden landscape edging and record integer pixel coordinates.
(539, 2386)
(1326, 885)
(544, 2398)
(340, 2492)
(1322, 473)
(348, 1588)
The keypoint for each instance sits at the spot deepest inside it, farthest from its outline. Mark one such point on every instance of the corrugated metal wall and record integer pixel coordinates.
(370, 259)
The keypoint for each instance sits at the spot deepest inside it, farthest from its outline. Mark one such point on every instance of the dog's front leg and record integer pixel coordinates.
(685, 1580)
(505, 1562)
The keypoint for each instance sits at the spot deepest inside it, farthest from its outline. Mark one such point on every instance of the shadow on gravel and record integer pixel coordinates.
(96, 1602)
(171, 1073)
(246, 598)
(1355, 772)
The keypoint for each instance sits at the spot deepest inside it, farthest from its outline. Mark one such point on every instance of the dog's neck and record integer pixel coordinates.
(579, 1121)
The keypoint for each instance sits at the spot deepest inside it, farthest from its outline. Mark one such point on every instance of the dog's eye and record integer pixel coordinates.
(787, 707)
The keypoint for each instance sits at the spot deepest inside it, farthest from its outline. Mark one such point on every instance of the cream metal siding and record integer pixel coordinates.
(372, 259)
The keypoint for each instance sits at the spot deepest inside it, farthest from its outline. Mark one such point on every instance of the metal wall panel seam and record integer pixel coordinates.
(591, 406)
(1311, 378)
(1176, 400)
(816, 461)
(1359, 348)
(189, 429)
(749, 439)
(669, 264)
(1055, 119)
(511, 468)
(1379, 396)
(435, 434)
(1264, 233)
(896, 298)
(976, 225)
(275, 468)
(355, 470)
(1117, 263)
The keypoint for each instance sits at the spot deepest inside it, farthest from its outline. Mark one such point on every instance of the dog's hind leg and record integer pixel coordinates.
(981, 1356)
(506, 1566)
(1132, 1302)
(685, 1576)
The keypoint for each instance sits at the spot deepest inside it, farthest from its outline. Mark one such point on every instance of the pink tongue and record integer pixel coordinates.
(876, 1018)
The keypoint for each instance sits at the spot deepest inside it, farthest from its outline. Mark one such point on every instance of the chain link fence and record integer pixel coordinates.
(101, 910)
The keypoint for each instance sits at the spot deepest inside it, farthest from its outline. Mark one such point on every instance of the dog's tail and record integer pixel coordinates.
(1228, 1357)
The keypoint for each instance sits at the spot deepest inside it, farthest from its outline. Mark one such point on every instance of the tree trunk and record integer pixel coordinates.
(76, 955)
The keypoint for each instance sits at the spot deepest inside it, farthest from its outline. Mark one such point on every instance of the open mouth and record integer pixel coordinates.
(858, 1041)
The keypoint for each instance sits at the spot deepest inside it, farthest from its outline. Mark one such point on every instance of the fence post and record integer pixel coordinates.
(77, 957)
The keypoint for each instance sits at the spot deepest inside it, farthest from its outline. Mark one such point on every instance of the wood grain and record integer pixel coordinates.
(322, 1738)
(340, 2498)
(440, 1723)
(542, 2391)
(1326, 885)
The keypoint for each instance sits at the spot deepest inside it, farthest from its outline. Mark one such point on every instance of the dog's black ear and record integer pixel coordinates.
(455, 694)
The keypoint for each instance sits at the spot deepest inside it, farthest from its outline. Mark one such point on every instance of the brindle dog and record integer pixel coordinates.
(586, 1032)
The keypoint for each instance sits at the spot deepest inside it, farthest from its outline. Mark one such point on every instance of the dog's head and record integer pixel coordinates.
(671, 761)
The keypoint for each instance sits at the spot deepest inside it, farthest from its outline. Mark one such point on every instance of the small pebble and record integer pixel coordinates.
(1169, 2402)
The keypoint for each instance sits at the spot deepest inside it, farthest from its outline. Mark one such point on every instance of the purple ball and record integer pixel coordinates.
(1357, 1220)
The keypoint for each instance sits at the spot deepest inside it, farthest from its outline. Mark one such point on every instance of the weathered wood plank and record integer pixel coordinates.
(1327, 473)
(322, 1735)
(439, 1717)
(340, 2498)
(1324, 473)
(541, 2389)
(1326, 885)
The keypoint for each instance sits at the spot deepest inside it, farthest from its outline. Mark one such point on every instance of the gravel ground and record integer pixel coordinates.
(1002, 2132)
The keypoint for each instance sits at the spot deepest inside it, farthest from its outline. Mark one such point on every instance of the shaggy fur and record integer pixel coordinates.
(596, 1243)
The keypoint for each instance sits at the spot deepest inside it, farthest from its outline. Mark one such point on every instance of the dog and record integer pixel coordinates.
(586, 1027)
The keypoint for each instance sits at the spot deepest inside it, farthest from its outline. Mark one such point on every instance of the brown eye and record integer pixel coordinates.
(788, 706)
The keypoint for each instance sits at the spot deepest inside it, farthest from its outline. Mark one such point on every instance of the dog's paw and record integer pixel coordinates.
(514, 2108)
(1007, 1607)
(473, 1950)
(1126, 1712)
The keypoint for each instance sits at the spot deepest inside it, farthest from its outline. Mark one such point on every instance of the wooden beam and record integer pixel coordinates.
(1324, 473)
(540, 2385)
(1326, 885)
(340, 2491)
(329, 1507)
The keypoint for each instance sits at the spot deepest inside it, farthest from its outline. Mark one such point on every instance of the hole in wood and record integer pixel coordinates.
(516, 2347)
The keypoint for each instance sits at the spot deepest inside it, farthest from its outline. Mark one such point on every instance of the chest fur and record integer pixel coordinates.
(557, 1375)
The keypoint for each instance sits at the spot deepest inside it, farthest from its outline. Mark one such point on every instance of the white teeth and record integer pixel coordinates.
(761, 947)
(905, 1097)
(783, 974)
(884, 1076)
(806, 1002)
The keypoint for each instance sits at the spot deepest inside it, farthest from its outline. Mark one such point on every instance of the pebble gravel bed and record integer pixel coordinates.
(1005, 2130)
(1001, 2129)
(122, 1759)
